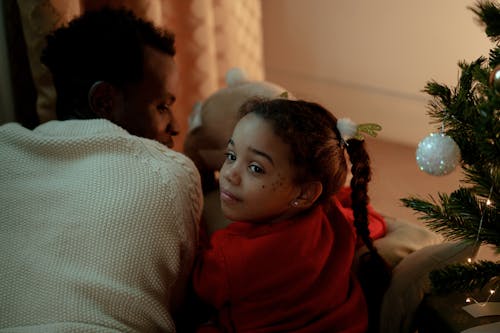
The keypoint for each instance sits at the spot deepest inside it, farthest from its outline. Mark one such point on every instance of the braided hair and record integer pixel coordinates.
(374, 273)
(319, 154)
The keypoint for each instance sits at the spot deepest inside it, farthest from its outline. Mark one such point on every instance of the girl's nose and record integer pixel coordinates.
(231, 173)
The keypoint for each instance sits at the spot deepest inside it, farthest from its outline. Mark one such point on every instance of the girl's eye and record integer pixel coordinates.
(255, 168)
(230, 156)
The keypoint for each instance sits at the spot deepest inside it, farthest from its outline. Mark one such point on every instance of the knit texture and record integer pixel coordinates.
(97, 229)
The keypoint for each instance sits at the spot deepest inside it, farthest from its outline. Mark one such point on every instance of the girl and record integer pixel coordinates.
(285, 264)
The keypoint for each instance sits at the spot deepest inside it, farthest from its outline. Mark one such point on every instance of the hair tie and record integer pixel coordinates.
(284, 95)
(348, 129)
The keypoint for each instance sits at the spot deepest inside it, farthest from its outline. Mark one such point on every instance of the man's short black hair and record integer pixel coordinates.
(101, 45)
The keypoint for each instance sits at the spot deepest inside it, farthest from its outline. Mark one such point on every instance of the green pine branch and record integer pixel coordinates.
(459, 216)
(484, 179)
(488, 15)
(469, 113)
(494, 57)
(463, 277)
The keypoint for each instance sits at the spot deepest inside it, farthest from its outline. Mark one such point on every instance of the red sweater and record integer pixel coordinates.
(292, 276)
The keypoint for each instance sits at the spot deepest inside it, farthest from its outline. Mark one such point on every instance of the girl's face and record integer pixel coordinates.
(256, 180)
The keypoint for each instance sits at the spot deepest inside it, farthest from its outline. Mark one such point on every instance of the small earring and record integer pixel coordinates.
(295, 203)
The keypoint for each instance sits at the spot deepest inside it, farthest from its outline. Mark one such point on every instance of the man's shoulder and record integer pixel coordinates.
(164, 159)
(12, 127)
(173, 168)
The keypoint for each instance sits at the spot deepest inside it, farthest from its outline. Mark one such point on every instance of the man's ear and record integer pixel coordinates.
(309, 193)
(101, 96)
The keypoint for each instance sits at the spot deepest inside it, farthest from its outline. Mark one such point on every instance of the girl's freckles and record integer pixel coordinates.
(275, 185)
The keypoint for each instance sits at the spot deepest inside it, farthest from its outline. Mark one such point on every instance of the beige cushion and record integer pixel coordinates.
(401, 239)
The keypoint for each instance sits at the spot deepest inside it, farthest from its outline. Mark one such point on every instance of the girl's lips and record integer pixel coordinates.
(228, 196)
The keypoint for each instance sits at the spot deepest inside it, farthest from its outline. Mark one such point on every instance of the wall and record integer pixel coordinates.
(370, 60)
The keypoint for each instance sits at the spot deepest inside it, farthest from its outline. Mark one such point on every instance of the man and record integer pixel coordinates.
(98, 217)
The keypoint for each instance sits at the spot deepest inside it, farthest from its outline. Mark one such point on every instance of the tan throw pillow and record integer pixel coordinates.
(401, 239)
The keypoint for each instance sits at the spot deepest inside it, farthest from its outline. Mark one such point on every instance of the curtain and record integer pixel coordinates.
(212, 36)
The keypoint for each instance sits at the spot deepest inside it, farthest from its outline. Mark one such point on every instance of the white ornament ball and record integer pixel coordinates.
(438, 154)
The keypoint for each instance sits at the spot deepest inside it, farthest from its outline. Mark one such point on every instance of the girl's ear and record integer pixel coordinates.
(309, 193)
(101, 99)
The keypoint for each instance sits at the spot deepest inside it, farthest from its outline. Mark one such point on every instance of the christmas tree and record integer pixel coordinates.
(469, 120)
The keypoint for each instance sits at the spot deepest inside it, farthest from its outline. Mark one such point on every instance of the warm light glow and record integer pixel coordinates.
(488, 202)
(469, 260)
(471, 299)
